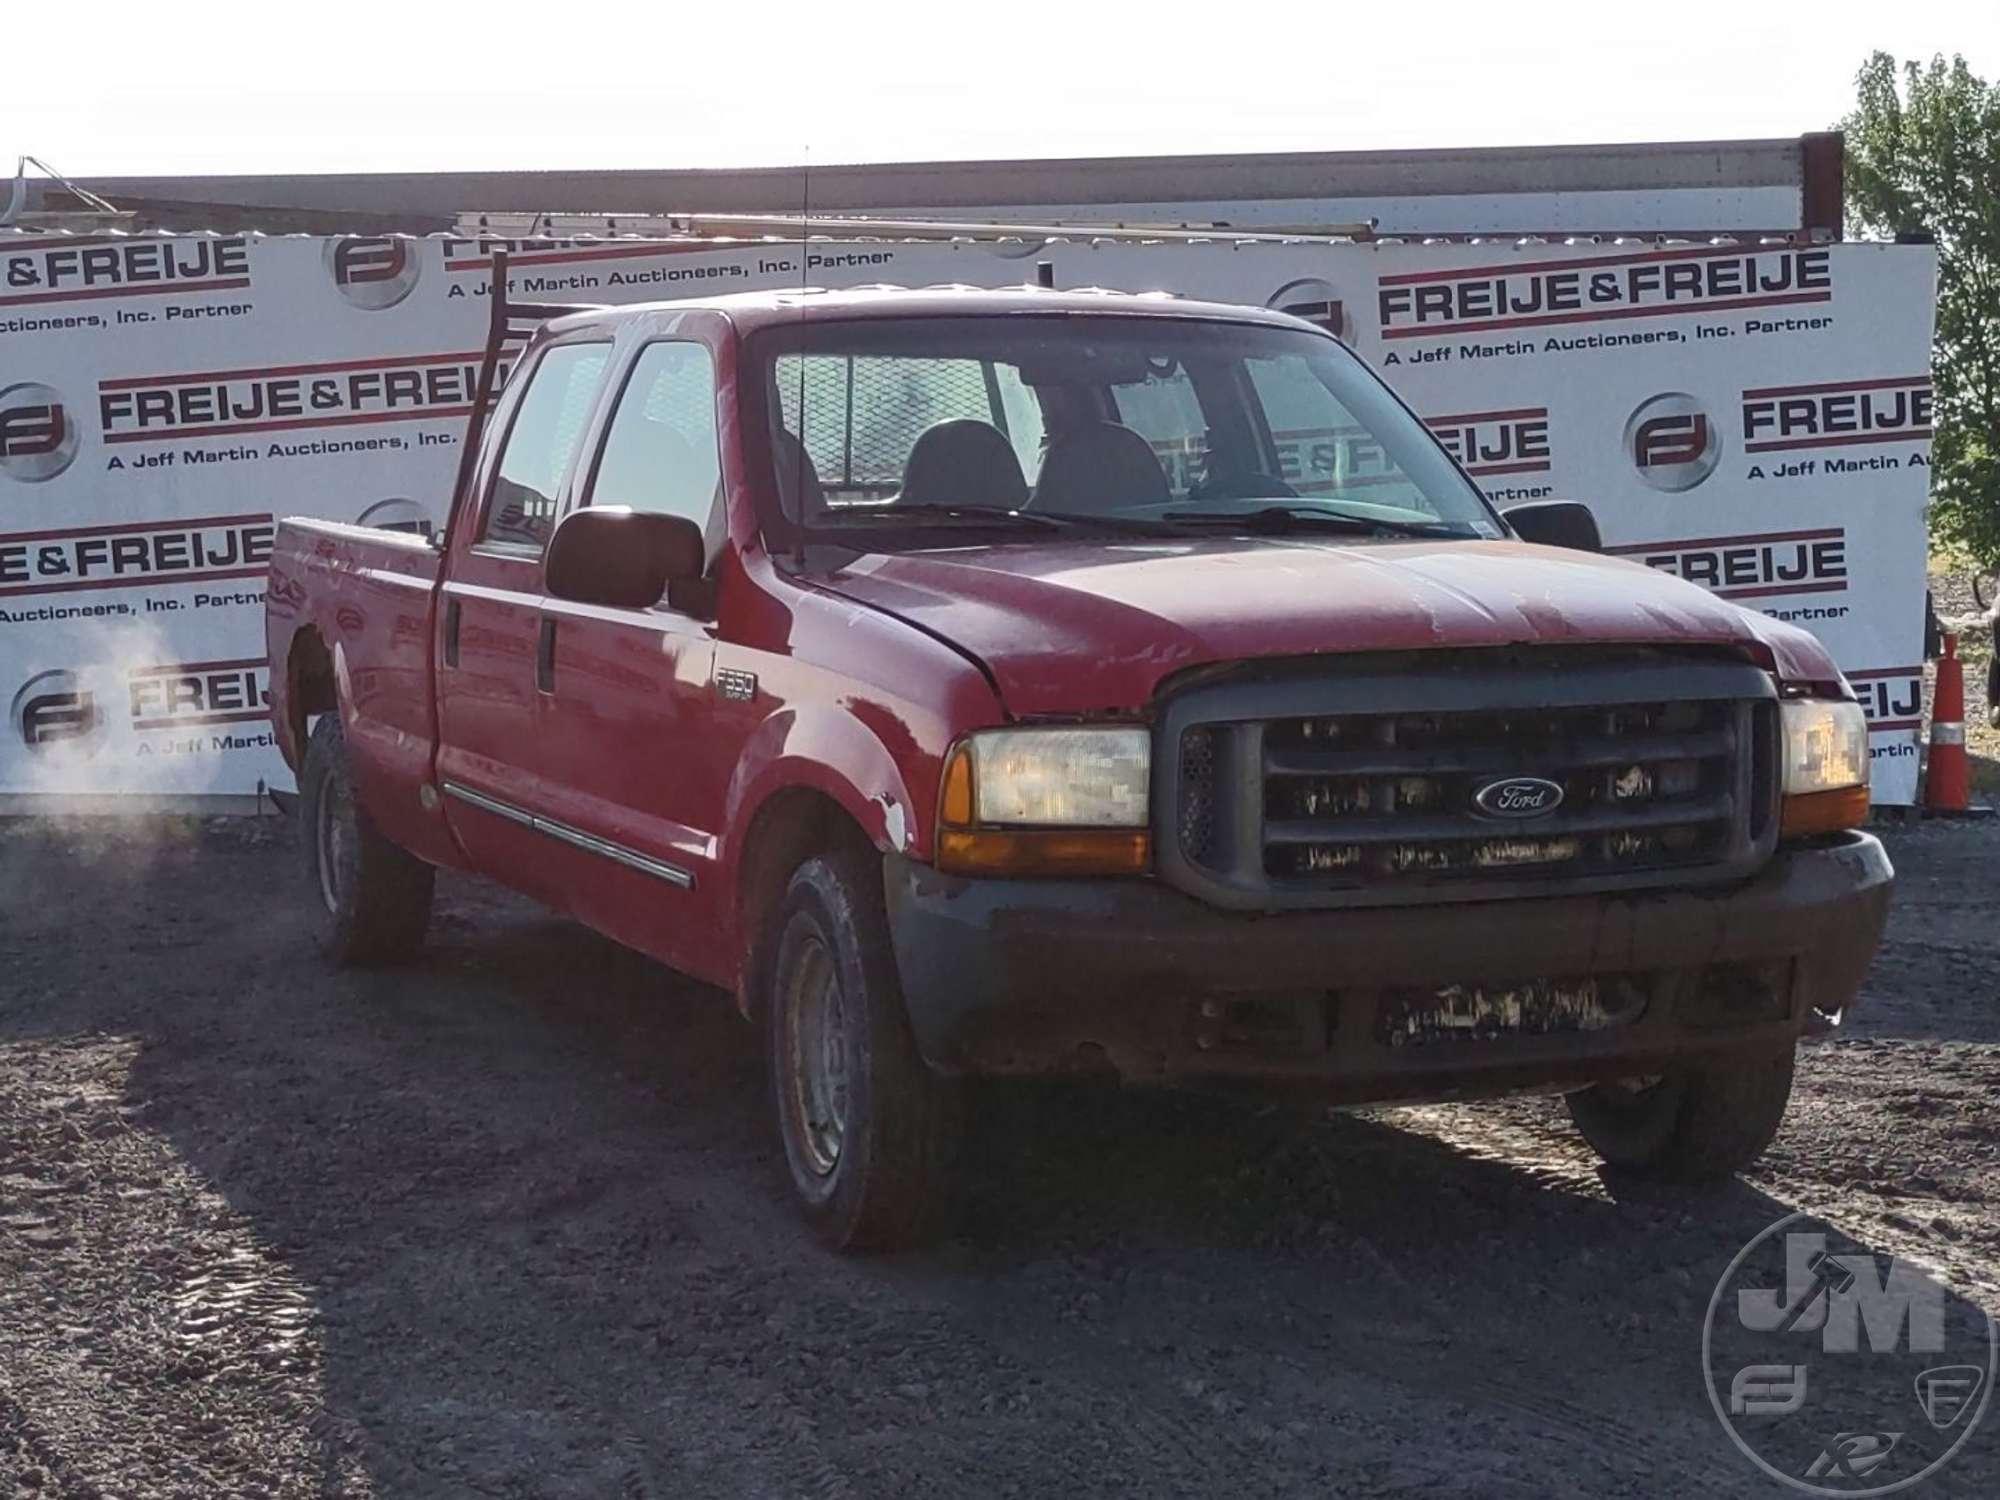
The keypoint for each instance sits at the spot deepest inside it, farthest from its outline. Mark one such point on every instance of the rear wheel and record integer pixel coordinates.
(371, 900)
(1702, 1120)
(866, 1127)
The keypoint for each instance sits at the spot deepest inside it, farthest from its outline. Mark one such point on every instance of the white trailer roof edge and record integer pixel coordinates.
(1787, 186)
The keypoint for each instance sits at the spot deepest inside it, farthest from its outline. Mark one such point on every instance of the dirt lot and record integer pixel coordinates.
(512, 1223)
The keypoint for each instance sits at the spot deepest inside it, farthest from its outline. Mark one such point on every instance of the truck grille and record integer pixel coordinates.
(1480, 779)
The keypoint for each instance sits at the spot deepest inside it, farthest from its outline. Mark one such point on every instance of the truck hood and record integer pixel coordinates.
(1084, 627)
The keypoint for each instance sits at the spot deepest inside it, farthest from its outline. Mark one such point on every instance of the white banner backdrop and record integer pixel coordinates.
(1754, 418)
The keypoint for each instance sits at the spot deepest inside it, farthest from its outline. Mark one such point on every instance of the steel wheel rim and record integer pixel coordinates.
(331, 836)
(816, 1039)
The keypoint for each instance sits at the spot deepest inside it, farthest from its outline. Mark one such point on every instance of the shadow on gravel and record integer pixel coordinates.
(530, 1187)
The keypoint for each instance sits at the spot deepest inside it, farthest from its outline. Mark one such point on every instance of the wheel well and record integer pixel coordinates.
(309, 685)
(789, 827)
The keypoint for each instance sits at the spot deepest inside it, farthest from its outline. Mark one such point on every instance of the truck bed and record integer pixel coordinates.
(354, 606)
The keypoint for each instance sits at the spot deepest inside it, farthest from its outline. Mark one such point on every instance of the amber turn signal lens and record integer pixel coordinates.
(1824, 812)
(1089, 851)
(955, 801)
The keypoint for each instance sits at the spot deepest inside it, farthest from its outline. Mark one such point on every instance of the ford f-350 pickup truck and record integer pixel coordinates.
(984, 683)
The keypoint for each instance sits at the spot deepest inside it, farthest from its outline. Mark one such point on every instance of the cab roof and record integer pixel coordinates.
(791, 306)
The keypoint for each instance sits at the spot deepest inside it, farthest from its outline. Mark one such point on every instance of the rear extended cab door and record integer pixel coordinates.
(489, 645)
(348, 622)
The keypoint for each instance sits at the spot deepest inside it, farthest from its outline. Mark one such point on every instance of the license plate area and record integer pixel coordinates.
(1496, 1010)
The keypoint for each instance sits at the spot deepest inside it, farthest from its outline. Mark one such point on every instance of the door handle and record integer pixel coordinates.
(451, 632)
(545, 657)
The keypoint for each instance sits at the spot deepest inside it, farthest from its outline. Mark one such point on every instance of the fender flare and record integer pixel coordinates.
(842, 765)
(831, 752)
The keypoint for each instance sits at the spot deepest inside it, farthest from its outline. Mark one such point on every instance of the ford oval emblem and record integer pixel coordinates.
(1518, 797)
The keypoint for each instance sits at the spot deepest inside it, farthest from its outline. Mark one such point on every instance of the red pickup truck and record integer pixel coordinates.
(1020, 681)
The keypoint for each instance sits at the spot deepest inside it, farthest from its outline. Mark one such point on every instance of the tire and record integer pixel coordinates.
(867, 1128)
(1701, 1121)
(371, 901)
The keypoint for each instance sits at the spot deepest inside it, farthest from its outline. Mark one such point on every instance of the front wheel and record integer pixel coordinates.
(1702, 1120)
(866, 1126)
(371, 900)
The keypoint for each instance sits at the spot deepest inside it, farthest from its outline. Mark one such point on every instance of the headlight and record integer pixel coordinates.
(1825, 766)
(1046, 801)
(1060, 778)
(1826, 746)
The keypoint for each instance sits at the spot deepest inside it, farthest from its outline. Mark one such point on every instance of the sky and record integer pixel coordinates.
(116, 89)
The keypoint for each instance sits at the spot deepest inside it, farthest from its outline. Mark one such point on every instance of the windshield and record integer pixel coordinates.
(1123, 424)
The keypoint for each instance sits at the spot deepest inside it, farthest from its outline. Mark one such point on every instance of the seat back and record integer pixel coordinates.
(1099, 468)
(799, 489)
(964, 462)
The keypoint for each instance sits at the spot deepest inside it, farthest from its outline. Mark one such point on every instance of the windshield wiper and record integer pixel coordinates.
(1048, 520)
(1283, 518)
(1125, 525)
(938, 511)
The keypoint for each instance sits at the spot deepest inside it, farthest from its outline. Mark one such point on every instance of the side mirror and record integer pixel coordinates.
(612, 555)
(1556, 523)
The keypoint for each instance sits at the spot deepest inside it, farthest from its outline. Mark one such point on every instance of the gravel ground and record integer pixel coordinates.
(512, 1223)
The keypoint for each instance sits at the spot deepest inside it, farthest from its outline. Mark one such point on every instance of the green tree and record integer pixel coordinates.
(1923, 157)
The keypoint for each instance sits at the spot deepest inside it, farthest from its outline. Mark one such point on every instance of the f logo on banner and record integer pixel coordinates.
(373, 274)
(30, 431)
(1672, 443)
(1670, 440)
(37, 438)
(1316, 301)
(51, 711)
(368, 260)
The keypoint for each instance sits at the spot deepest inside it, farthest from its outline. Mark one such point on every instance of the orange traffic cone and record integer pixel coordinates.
(1948, 780)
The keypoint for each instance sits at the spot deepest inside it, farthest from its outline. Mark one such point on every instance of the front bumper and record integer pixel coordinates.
(1039, 976)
